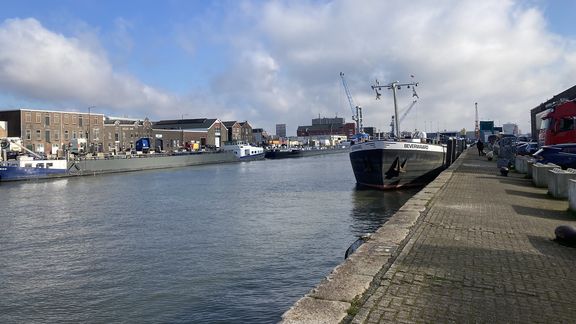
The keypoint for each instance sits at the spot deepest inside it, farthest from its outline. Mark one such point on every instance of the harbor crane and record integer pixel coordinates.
(356, 110)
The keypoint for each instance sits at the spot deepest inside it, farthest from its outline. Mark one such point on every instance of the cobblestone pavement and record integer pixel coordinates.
(481, 252)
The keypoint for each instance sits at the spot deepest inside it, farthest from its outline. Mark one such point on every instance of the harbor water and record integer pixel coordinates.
(238, 242)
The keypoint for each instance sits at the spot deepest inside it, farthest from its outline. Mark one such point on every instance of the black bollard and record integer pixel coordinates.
(565, 235)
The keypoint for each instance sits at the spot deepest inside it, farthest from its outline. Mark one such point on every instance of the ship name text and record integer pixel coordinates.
(416, 146)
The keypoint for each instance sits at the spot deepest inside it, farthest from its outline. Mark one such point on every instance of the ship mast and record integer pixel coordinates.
(396, 85)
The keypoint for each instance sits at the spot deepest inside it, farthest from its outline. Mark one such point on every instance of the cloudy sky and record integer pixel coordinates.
(272, 62)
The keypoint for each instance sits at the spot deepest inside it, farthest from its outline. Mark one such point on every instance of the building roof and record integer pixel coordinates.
(197, 123)
(53, 111)
(569, 94)
(229, 124)
(319, 127)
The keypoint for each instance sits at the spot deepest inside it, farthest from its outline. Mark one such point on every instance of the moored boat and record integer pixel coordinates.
(392, 165)
(396, 164)
(26, 168)
(244, 151)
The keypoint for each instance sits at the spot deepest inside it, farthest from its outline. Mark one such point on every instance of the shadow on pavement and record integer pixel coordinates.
(543, 213)
(537, 195)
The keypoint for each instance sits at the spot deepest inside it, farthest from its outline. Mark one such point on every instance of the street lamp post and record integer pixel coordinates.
(88, 133)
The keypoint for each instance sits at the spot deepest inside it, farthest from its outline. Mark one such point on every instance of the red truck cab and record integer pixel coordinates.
(559, 124)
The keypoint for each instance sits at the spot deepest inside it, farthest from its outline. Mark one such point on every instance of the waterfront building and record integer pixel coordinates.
(328, 121)
(261, 137)
(239, 131)
(281, 130)
(246, 132)
(121, 133)
(234, 130)
(327, 126)
(49, 132)
(208, 133)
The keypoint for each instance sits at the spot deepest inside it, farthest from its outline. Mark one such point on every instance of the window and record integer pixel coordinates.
(80, 121)
(38, 118)
(37, 134)
(56, 119)
(28, 134)
(56, 135)
(66, 135)
(95, 122)
(74, 119)
(74, 135)
(566, 124)
(96, 134)
(66, 119)
(47, 135)
(28, 117)
(47, 120)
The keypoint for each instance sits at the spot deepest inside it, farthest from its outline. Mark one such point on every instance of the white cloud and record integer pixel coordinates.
(285, 57)
(497, 53)
(42, 65)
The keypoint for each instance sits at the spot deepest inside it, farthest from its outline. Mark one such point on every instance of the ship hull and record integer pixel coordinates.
(298, 153)
(393, 165)
(148, 162)
(89, 166)
(15, 173)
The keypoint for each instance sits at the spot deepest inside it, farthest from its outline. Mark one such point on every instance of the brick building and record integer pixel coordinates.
(48, 132)
(206, 132)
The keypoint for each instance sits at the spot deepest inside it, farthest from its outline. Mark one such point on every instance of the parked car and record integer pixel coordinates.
(563, 155)
(526, 148)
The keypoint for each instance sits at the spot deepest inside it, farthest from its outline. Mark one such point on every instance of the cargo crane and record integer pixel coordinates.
(356, 110)
(476, 127)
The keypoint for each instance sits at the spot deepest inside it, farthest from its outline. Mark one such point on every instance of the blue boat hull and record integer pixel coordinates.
(14, 173)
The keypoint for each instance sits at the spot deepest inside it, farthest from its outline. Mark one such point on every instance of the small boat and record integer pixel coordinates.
(394, 164)
(244, 151)
(27, 168)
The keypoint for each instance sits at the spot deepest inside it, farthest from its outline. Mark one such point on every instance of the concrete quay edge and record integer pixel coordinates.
(332, 299)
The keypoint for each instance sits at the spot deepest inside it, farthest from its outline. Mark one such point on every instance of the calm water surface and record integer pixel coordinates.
(217, 243)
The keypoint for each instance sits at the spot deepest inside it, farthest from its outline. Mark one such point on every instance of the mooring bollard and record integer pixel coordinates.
(540, 174)
(572, 194)
(558, 182)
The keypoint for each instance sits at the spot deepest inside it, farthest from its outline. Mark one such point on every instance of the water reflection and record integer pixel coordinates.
(372, 208)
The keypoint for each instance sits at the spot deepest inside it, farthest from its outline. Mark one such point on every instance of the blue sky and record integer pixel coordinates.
(274, 62)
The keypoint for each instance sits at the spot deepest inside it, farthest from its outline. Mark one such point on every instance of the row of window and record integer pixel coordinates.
(95, 135)
(76, 119)
(48, 133)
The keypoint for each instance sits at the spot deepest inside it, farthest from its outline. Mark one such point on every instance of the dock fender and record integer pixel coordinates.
(565, 235)
(356, 245)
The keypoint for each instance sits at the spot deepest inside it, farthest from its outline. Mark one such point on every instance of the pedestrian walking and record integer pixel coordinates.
(480, 147)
